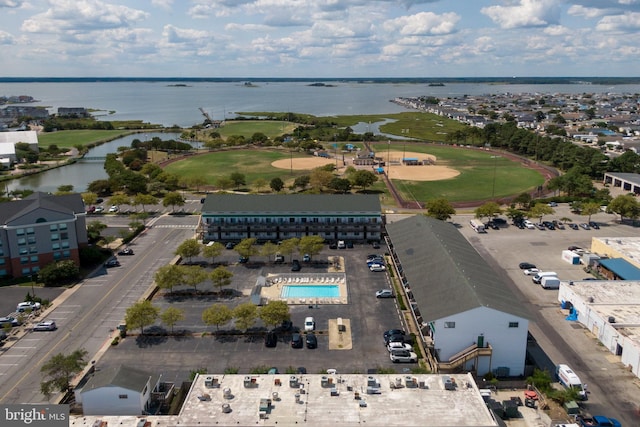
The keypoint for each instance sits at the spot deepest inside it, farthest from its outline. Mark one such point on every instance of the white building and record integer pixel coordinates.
(470, 319)
(117, 391)
(611, 311)
(8, 141)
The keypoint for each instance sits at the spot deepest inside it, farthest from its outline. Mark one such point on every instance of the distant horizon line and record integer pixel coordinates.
(500, 80)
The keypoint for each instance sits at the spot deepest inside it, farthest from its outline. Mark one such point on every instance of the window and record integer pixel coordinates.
(513, 324)
(66, 254)
(449, 324)
(55, 236)
(30, 230)
(64, 236)
(22, 241)
(31, 240)
(65, 245)
(123, 396)
(24, 259)
(20, 232)
(55, 246)
(53, 227)
(292, 220)
(23, 251)
(56, 255)
(33, 249)
(1, 252)
(34, 258)
(26, 271)
(62, 227)
(2, 261)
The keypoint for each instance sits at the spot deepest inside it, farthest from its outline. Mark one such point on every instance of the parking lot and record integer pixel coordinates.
(369, 317)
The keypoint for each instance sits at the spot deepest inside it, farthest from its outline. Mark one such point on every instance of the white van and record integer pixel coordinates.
(538, 277)
(550, 282)
(568, 378)
(477, 226)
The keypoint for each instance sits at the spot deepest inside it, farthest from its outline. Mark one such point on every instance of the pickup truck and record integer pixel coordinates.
(598, 421)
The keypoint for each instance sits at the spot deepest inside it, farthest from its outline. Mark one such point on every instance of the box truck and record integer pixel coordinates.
(570, 379)
(538, 277)
(550, 282)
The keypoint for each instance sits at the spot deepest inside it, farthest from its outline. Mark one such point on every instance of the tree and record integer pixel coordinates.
(274, 313)
(193, 275)
(260, 183)
(539, 210)
(246, 247)
(217, 314)
(171, 316)
(364, 178)
(221, 277)
(188, 249)
(59, 273)
(320, 178)
(340, 185)
(269, 249)
(60, 369)
(589, 209)
(144, 199)
(301, 182)
(169, 276)
(120, 199)
(173, 199)
(245, 315)
(626, 206)
(488, 210)
(440, 209)
(289, 246)
(276, 184)
(141, 314)
(238, 179)
(89, 198)
(311, 245)
(524, 200)
(94, 228)
(212, 250)
(224, 183)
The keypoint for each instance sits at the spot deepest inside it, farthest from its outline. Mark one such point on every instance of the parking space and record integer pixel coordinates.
(368, 318)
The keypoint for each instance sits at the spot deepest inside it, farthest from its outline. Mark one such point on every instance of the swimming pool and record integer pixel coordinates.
(310, 291)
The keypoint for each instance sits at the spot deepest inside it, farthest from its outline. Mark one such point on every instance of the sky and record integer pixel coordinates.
(319, 38)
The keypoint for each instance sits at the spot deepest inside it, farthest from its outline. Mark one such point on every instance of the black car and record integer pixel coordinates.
(126, 251)
(296, 340)
(312, 341)
(594, 225)
(499, 221)
(243, 260)
(333, 245)
(112, 263)
(271, 339)
(349, 244)
(526, 266)
(492, 225)
(392, 333)
(376, 245)
(230, 245)
(573, 226)
(295, 265)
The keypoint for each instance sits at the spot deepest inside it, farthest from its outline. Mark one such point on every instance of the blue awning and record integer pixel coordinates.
(621, 268)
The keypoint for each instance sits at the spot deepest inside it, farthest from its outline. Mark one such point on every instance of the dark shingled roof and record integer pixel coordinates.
(68, 203)
(120, 376)
(281, 203)
(445, 273)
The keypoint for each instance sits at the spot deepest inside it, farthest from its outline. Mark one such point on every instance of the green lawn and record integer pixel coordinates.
(482, 176)
(247, 128)
(252, 163)
(71, 138)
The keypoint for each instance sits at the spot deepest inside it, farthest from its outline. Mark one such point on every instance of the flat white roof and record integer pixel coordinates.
(321, 400)
(29, 136)
(619, 299)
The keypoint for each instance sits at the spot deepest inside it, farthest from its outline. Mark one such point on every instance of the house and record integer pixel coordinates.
(118, 390)
(274, 217)
(469, 318)
(8, 141)
(38, 230)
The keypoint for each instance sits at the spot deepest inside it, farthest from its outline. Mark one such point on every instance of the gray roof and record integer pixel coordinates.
(120, 376)
(445, 273)
(282, 203)
(633, 178)
(67, 203)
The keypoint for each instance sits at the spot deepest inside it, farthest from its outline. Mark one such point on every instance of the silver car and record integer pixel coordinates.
(384, 293)
(398, 356)
(47, 325)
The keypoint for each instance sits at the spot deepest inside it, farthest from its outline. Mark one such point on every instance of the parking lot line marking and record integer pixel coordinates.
(23, 348)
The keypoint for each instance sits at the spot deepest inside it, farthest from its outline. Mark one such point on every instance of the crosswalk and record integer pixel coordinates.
(175, 226)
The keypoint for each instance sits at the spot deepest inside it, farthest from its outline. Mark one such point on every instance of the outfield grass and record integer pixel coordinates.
(247, 128)
(252, 163)
(482, 176)
(71, 138)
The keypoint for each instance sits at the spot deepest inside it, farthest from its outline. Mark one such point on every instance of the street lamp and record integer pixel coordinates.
(33, 292)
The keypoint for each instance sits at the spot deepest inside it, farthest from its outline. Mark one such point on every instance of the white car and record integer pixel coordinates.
(309, 324)
(377, 267)
(529, 224)
(403, 356)
(47, 325)
(24, 306)
(384, 293)
(395, 346)
(98, 209)
(531, 271)
(113, 209)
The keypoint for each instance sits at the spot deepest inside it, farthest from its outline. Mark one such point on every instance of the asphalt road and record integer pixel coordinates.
(612, 390)
(88, 313)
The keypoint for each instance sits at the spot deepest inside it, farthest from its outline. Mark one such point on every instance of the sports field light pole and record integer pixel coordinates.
(388, 159)
(291, 159)
(495, 165)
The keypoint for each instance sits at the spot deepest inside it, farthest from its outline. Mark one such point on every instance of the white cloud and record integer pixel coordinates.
(524, 13)
(6, 38)
(628, 22)
(586, 12)
(423, 24)
(179, 35)
(10, 3)
(162, 4)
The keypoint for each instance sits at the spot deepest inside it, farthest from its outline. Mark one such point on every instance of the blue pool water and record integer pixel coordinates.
(310, 291)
